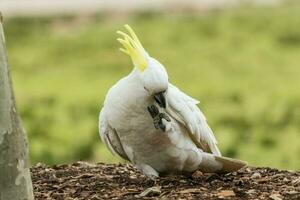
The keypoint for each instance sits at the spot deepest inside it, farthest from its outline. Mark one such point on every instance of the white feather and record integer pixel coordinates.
(184, 108)
(109, 137)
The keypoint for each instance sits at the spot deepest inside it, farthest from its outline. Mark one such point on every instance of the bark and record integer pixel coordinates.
(15, 180)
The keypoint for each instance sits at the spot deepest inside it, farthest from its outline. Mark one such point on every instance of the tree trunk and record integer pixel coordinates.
(15, 180)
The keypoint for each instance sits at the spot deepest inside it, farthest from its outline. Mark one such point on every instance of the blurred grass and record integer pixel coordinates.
(243, 64)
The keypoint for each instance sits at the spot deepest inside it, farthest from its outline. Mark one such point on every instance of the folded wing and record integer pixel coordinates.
(110, 137)
(185, 110)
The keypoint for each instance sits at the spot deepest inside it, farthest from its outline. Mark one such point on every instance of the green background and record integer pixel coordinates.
(242, 64)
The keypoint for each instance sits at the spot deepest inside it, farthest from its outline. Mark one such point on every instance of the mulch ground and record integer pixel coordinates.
(82, 181)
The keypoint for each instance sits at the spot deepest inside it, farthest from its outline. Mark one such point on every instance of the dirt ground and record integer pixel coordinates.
(82, 181)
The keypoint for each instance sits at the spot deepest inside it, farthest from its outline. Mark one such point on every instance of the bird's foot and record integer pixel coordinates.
(148, 171)
(158, 117)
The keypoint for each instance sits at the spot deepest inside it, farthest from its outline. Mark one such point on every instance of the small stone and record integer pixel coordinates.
(285, 179)
(256, 175)
(270, 187)
(248, 169)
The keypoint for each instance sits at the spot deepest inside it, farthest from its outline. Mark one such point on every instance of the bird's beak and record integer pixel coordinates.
(160, 99)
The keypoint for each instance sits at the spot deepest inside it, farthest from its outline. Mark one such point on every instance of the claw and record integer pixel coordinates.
(157, 117)
(162, 126)
(153, 110)
(164, 116)
(156, 122)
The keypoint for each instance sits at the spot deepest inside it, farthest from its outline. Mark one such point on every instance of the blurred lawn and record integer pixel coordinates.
(242, 64)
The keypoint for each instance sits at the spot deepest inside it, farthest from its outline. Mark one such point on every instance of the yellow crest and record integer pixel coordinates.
(133, 48)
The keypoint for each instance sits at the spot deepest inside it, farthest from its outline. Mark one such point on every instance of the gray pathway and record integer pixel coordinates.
(11, 8)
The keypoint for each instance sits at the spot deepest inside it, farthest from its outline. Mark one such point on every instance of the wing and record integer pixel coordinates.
(110, 137)
(185, 110)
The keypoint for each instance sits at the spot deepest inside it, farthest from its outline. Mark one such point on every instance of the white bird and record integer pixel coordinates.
(151, 123)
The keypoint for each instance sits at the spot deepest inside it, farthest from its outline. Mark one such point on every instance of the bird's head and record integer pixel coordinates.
(152, 73)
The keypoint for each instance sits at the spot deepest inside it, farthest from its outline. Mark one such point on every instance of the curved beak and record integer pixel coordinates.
(160, 99)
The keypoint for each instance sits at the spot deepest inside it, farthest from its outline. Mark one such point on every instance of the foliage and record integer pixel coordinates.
(243, 64)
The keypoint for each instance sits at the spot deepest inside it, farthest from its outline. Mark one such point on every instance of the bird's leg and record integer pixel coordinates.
(158, 117)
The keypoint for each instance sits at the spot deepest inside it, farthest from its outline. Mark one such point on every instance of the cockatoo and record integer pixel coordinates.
(151, 123)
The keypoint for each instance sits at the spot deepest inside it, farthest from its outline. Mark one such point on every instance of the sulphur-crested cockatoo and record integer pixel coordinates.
(151, 123)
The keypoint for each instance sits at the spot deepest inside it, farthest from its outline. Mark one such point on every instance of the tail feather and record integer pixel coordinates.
(215, 150)
(213, 163)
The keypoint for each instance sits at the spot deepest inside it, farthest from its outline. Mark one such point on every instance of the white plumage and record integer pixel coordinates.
(181, 141)
(184, 109)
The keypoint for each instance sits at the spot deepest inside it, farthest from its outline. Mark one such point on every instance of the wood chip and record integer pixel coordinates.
(296, 181)
(153, 191)
(293, 192)
(190, 190)
(226, 193)
(122, 181)
(252, 191)
(263, 180)
(275, 196)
